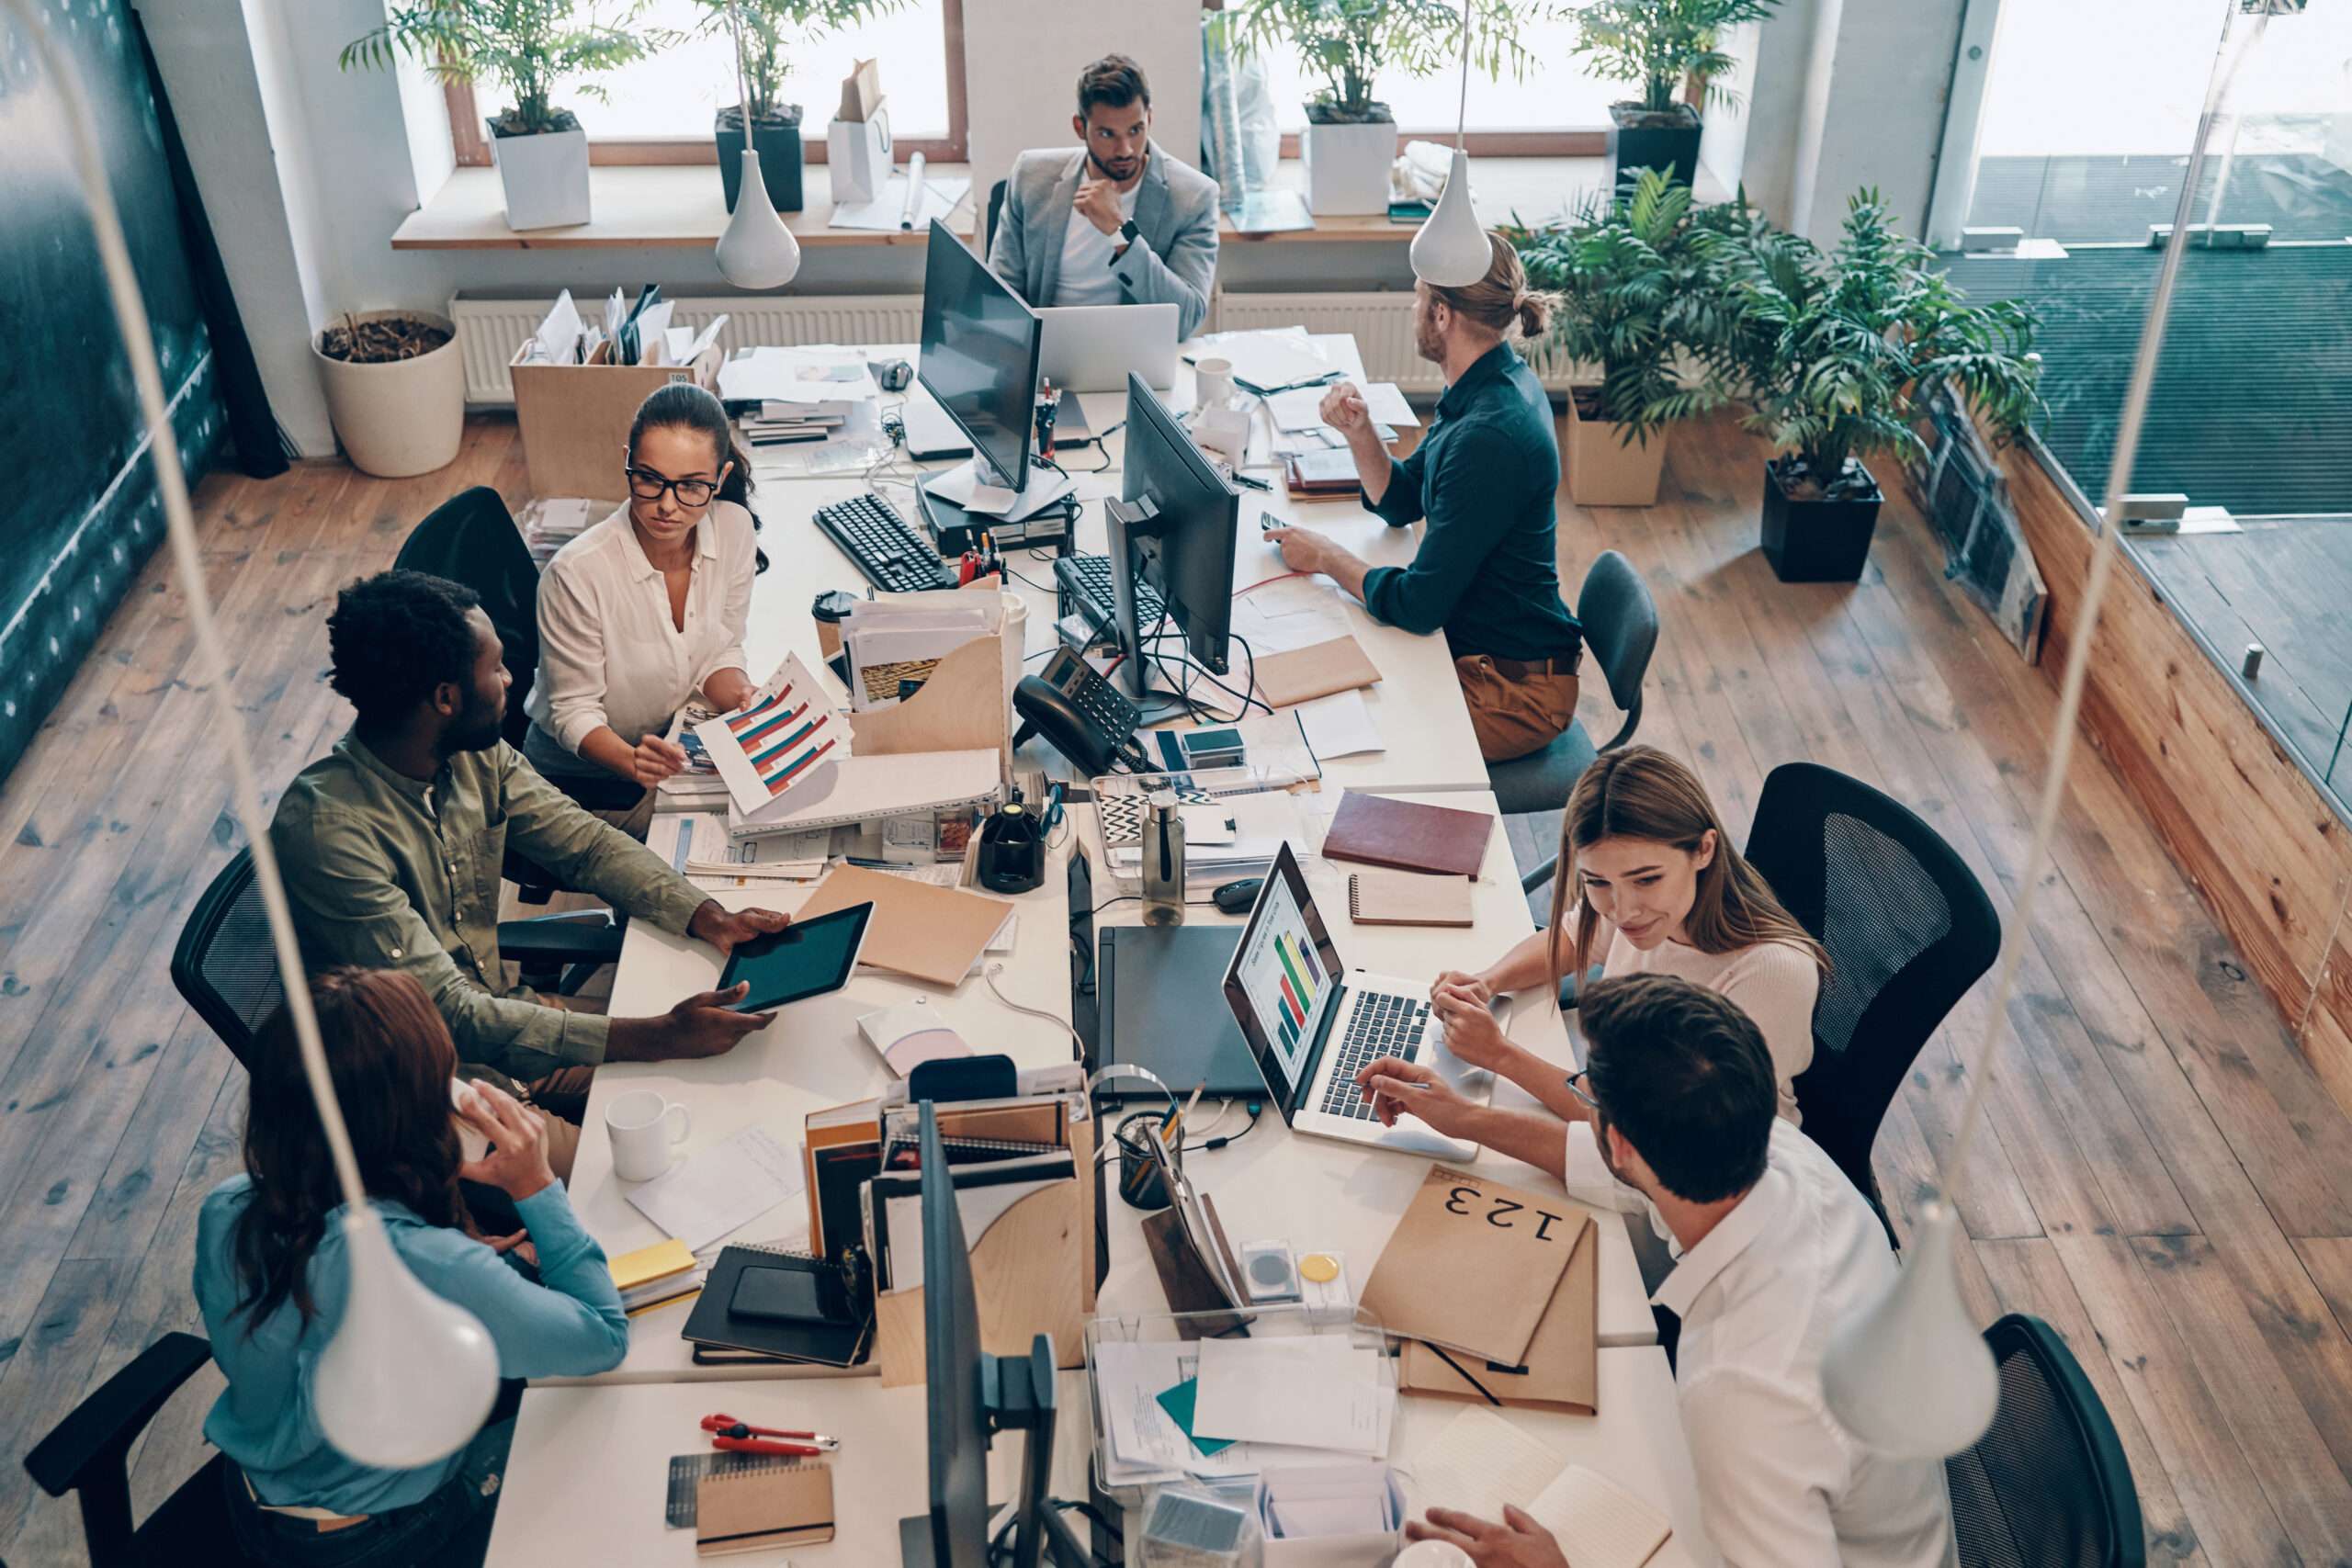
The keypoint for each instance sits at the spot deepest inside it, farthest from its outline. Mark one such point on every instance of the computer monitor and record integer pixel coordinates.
(978, 358)
(1184, 548)
(974, 1395)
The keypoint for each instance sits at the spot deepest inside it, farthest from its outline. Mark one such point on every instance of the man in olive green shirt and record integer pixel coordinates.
(390, 846)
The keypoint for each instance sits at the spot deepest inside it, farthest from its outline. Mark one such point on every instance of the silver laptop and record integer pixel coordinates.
(1091, 348)
(1312, 1023)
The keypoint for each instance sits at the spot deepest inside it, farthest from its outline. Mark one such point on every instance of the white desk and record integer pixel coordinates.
(1321, 1195)
(589, 1472)
(587, 1480)
(812, 1056)
(1418, 703)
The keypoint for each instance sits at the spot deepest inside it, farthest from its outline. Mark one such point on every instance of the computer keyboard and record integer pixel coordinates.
(1093, 573)
(1383, 1025)
(892, 554)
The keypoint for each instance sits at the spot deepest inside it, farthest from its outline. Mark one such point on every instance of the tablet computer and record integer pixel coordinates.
(806, 958)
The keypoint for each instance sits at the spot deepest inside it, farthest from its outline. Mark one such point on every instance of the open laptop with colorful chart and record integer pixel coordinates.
(1312, 1022)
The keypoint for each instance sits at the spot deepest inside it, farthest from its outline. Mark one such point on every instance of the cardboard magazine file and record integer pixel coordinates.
(574, 418)
(963, 706)
(1033, 1270)
(1561, 1369)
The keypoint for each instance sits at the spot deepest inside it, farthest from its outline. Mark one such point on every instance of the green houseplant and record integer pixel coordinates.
(772, 30)
(1665, 48)
(527, 47)
(1837, 353)
(1636, 299)
(1351, 136)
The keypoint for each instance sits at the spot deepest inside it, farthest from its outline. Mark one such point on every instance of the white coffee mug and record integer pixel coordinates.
(646, 1131)
(1432, 1554)
(1212, 384)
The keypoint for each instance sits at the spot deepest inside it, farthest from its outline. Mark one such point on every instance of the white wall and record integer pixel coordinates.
(1021, 63)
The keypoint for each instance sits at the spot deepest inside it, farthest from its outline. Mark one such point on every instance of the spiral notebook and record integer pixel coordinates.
(756, 1510)
(1409, 898)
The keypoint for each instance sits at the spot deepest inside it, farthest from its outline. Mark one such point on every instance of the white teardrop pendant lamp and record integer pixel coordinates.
(757, 251)
(1909, 1374)
(1452, 251)
(408, 1377)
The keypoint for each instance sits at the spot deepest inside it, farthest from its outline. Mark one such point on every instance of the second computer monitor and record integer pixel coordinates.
(1187, 552)
(979, 356)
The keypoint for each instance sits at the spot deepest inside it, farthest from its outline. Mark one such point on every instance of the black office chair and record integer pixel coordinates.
(88, 1453)
(1908, 930)
(996, 209)
(2049, 1486)
(1620, 633)
(472, 539)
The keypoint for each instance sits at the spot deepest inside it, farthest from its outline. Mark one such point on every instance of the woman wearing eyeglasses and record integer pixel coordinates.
(647, 608)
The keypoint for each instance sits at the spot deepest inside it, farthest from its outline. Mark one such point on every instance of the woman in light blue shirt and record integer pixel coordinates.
(271, 1272)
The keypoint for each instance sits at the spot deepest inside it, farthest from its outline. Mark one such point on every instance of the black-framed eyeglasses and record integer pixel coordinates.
(647, 485)
(1575, 1087)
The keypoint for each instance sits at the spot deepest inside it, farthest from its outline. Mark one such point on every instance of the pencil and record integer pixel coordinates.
(1171, 1129)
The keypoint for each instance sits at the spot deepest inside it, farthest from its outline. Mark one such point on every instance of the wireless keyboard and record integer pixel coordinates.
(892, 555)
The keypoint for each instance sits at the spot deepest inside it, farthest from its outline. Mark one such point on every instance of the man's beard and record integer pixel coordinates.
(1104, 169)
(477, 730)
(1426, 343)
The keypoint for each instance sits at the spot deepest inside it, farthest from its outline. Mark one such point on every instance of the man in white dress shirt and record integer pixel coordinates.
(1775, 1250)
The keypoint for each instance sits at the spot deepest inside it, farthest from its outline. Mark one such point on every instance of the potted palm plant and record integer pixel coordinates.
(1665, 48)
(1351, 136)
(1634, 300)
(1838, 353)
(526, 46)
(771, 28)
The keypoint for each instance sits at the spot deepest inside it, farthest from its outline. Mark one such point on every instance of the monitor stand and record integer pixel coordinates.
(1017, 1394)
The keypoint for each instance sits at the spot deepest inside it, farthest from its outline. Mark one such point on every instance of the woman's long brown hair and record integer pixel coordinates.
(1641, 792)
(391, 1060)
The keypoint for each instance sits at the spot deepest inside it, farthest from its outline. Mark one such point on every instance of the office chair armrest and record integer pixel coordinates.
(100, 1430)
(1539, 875)
(553, 940)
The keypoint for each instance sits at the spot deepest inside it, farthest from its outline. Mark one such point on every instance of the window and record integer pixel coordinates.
(1557, 107)
(661, 110)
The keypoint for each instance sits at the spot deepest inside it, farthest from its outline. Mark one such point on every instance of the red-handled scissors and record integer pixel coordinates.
(741, 1437)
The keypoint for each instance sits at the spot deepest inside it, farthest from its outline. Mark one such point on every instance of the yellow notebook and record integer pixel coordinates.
(648, 1264)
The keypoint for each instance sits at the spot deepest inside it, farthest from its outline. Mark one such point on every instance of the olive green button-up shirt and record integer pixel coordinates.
(390, 872)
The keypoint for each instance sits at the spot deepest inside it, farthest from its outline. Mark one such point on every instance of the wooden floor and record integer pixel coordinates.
(2284, 583)
(2161, 1176)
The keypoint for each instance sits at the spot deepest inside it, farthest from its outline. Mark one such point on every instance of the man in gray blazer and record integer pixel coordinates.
(1116, 222)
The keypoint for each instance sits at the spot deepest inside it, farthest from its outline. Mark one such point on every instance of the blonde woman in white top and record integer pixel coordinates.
(1656, 888)
(647, 608)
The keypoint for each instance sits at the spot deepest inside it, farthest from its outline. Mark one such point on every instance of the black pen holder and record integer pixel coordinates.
(1141, 1185)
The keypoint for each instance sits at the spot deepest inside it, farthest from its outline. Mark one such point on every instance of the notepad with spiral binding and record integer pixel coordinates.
(1409, 898)
(754, 1510)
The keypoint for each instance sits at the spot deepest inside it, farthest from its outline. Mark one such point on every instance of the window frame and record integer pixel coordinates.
(471, 142)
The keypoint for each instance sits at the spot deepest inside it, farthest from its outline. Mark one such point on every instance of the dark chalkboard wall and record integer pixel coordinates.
(79, 512)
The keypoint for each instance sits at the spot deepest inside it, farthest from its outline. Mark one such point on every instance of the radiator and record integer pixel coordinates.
(489, 331)
(1382, 322)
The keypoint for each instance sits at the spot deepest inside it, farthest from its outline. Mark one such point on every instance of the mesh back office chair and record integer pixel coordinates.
(2049, 1485)
(1908, 929)
(1620, 631)
(996, 211)
(472, 539)
(88, 1453)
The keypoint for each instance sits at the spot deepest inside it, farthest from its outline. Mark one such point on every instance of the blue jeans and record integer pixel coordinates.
(450, 1528)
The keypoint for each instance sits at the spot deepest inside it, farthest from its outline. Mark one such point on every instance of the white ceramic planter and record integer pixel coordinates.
(403, 418)
(546, 177)
(1346, 167)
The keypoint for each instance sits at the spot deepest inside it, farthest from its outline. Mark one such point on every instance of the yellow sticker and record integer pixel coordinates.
(1320, 1268)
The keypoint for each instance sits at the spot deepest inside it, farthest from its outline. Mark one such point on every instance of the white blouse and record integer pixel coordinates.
(610, 654)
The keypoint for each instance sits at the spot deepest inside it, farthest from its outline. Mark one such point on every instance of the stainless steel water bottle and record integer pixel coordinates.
(1163, 860)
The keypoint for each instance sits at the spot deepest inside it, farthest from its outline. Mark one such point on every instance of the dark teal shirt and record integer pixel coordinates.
(1485, 476)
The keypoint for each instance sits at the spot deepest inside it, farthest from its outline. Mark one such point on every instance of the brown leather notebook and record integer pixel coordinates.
(1379, 830)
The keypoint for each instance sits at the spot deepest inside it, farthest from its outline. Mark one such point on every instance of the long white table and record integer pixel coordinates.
(1324, 1196)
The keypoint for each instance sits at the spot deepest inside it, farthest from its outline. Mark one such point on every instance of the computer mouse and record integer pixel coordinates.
(896, 375)
(1235, 897)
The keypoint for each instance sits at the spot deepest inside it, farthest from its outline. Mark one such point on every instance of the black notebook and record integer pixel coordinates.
(786, 1305)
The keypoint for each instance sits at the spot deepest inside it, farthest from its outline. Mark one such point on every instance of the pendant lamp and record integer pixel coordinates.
(1452, 251)
(407, 1377)
(757, 251)
(1909, 1374)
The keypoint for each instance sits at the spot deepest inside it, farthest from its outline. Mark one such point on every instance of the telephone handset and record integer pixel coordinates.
(1080, 715)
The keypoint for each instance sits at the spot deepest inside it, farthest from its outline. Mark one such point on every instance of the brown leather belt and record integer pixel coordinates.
(1519, 670)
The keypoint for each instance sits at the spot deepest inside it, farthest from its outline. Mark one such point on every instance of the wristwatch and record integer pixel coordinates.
(1128, 232)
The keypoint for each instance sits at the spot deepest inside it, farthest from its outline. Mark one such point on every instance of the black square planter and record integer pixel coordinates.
(1671, 148)
(1817, 541)
(778, 146)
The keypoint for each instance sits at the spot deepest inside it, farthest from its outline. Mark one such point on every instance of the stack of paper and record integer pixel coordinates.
(1269, 361)
(820, 376)
(1299, 411)
(1137, 1381)
(901, 637)
(1316, 1391)
(713, 1193)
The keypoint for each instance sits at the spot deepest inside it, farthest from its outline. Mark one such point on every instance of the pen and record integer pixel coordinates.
(1241, 478)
